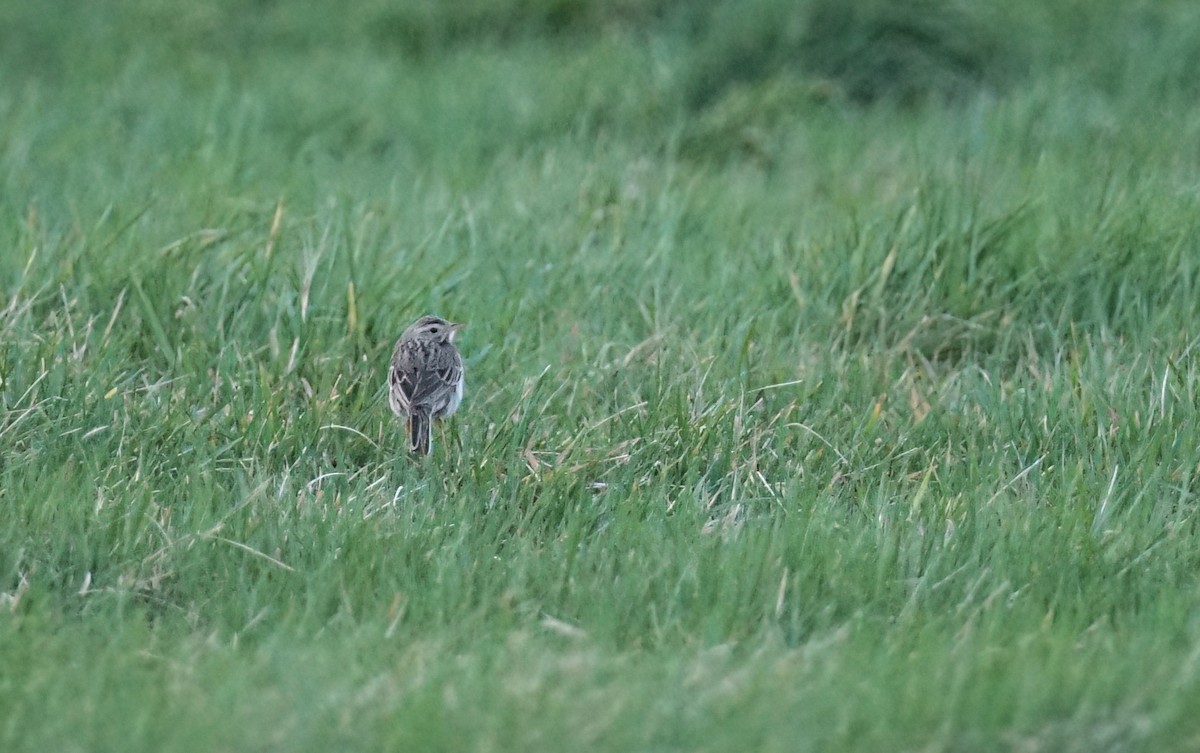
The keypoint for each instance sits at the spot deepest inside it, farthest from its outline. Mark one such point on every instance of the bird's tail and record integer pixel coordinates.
(420, 427)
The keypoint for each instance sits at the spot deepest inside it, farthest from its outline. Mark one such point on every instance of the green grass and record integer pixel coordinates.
(797, 419)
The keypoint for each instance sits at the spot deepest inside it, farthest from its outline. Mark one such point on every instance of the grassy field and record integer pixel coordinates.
(833, 376)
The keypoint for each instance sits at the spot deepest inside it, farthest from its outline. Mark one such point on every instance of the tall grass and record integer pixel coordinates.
(795, 420)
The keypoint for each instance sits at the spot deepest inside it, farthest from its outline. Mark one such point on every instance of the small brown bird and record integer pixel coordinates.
(425, 381)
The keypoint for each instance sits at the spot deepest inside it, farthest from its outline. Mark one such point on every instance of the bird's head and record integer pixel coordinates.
(434, 328)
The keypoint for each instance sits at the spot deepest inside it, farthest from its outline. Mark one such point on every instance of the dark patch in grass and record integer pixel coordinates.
(900, 52)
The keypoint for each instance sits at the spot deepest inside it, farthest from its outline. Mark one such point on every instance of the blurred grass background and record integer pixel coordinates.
(830, 375)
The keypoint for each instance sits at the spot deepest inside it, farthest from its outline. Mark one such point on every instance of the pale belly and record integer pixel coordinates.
(454, 401)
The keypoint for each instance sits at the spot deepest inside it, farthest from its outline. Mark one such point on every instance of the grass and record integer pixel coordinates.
(793, 422)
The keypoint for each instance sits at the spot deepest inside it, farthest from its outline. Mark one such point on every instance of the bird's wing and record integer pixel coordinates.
(400, 388)
(431, 385)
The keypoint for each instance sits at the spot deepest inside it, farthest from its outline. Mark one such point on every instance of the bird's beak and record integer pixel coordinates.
(456, 326)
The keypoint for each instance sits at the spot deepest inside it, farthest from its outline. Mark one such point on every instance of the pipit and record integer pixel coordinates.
(425, 381)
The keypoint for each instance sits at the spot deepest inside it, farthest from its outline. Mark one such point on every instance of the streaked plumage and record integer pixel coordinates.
(425, 381)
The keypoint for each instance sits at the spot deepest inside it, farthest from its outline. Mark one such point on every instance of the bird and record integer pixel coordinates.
(425, 380)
